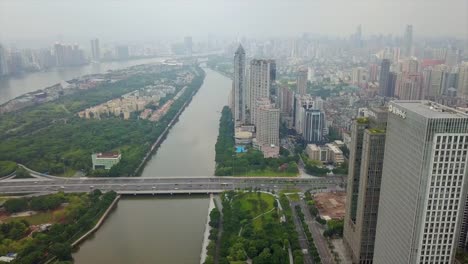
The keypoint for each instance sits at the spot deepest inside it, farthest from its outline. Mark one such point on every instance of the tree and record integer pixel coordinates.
(22, 173)
(16, 205)
(264, 257)
(62, 251)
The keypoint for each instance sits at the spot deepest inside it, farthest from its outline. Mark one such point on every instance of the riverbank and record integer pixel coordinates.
(206, 234)
(163, 135)
(98, 224)
(59, 222)
(92, 230)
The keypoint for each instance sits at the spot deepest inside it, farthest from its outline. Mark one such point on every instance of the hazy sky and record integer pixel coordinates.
(45, 20)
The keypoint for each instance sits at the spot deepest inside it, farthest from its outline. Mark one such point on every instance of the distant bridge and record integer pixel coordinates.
(165, 185)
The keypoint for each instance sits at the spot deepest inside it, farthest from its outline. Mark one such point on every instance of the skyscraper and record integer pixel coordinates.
(358, 75)
(261, 78)
(438, 76)
(300, 105)
(285, 100)
(123, 52)
(373, 72)
(358, 36)
(364, 185)
(301, 81)
(423, 183)
(409, 86)
(59, 52)
(462, 89)
(384, 89)
(95, 50)
(239, 86)
(408, 41)
(188, 45)
(3, 61)
(411, 65)
(314, 124)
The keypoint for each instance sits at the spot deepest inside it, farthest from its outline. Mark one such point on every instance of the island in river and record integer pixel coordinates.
(58, 137)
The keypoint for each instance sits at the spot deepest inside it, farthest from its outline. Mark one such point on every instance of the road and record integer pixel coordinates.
(303, 242)
(172, 185)
(319, 239)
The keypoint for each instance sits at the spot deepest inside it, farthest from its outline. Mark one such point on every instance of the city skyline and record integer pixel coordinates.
(333, 18)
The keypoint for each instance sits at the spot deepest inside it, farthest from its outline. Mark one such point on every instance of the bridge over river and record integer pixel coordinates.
(164, 185)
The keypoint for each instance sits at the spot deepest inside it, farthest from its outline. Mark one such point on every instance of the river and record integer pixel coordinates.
(15, 86)
(167, 229)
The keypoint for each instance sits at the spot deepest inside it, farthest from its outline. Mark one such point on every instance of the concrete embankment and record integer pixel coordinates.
(98, 224)
(206, 235)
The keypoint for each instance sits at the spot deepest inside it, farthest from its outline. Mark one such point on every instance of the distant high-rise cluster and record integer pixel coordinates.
(256, 100)
(419, 72)
(68, 55)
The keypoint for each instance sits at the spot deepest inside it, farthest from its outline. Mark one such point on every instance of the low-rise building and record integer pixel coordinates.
(319, 153)
(242, 137)
(270, 151)
(105, 160)
(335, 154)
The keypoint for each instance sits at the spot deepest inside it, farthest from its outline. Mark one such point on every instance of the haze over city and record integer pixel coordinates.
(29, 23)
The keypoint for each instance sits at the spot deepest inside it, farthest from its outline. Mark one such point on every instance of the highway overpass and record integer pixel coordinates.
(166, 185)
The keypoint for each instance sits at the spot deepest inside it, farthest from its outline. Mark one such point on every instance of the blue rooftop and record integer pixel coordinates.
(240, 149)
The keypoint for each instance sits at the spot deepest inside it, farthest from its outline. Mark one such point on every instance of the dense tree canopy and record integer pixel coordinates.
(62, 141)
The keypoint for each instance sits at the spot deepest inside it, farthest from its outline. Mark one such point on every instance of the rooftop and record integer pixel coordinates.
(107, 155)
(313, 147)
(430, 109)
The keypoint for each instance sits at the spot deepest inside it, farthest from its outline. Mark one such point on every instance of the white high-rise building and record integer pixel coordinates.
(268, 120)
(301, 81)
(261, 77)
(424, 184)
(239, 86)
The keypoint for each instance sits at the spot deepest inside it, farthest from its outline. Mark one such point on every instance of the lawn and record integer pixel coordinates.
(290, 190)
(257, 204)
(294, 197)
(39, 218)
